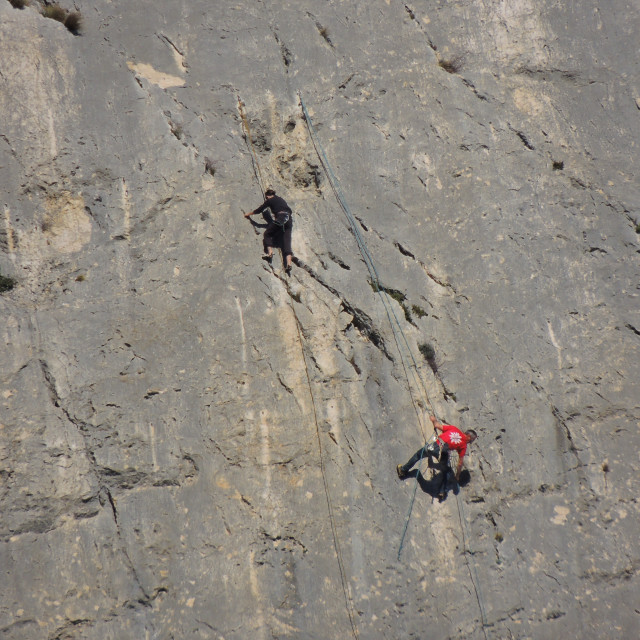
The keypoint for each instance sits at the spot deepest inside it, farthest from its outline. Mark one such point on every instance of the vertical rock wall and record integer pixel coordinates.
(193, 445)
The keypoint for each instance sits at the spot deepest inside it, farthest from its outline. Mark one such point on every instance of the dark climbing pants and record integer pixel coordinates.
(278, 237)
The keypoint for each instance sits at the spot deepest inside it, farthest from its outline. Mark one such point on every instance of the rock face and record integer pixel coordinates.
(194, 445)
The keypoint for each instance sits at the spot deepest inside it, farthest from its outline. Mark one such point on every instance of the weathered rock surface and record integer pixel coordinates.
(180, 458)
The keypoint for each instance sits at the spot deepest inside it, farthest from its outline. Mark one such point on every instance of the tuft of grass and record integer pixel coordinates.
(55, 12)
(499, 537)
(638, 228)
(429, 354)
(427, 351)
(81, 278)
(558, 165)
(419, 311)
(400, 298)
(73, 22)
(19, 4)
(397, 295)
(451, 65)
(296, 296)
(605, 467)
(6, 283)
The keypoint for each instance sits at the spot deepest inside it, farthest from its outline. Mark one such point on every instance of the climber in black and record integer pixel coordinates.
(278, 231)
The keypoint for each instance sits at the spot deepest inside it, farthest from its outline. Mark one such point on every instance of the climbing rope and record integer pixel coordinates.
(473, 574)
(336, 542)
(247, 130)
(410, 510)
(396, 327)
(400, 339)
(335, 185)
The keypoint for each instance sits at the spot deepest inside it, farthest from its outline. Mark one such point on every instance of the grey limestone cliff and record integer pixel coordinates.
(193, 445)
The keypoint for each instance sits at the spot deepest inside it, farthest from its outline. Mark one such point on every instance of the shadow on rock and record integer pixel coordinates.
(440, 482)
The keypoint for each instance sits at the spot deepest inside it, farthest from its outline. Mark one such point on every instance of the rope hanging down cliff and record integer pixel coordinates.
(396, 327)
(247, 129)
(393, 318)
(336, 542)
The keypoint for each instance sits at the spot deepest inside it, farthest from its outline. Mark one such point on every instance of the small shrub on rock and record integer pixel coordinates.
(451, 65)
(419, 311)
(55, 12)
(73, 22)
(19, 4)
(427, 351)
(429, 354)
(6, 284)
(398, 296)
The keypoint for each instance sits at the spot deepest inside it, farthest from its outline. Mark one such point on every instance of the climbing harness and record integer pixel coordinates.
(281, 218)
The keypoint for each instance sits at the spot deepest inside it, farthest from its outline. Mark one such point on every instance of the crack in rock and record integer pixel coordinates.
(361, 321)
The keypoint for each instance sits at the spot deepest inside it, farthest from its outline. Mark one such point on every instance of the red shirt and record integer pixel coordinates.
(454, 438)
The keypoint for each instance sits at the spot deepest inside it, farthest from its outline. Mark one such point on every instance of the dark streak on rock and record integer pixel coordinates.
(287, 58)
(339, 262)
(403, 251)
(632, 328)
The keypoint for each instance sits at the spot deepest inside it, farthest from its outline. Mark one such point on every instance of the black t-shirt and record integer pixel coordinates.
(276, 204)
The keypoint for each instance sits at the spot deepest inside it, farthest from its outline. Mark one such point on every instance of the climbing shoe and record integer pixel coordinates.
(267, 259)
(402, 474)
(287, 270)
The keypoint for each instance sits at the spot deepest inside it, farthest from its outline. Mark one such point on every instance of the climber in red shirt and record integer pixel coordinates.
(450, 438)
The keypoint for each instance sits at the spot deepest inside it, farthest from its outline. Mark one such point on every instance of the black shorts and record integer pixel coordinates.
(278, 237)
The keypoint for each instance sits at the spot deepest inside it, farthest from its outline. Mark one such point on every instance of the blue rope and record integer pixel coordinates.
(393, 318)
(391, 315)
(473, 573)
(413, 498)
(396, 327)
